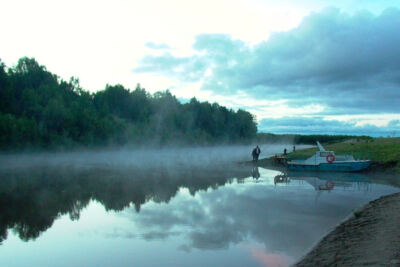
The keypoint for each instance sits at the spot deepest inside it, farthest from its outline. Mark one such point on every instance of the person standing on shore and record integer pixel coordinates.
(256, 153)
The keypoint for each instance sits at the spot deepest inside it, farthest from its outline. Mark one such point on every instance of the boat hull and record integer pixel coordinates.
(354, 166)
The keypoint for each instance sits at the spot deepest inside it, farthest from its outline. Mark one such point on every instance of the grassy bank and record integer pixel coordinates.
(384, 152)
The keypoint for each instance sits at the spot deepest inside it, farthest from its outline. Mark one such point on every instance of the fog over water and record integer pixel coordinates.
(143, 158)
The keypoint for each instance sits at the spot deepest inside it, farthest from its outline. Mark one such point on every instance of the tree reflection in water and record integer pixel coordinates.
(31, 199)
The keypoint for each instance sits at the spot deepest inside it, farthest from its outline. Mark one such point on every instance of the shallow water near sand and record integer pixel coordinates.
(188, 215)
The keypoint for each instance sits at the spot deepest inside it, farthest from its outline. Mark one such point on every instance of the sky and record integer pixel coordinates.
(306, 67)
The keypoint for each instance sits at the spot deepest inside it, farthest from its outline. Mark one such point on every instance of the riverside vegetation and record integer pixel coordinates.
(40, 110)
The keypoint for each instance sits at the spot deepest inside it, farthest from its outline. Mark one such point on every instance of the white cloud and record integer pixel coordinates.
(340, 63)
(101, 41)
(319, 125)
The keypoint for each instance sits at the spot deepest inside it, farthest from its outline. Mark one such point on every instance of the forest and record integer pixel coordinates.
(39, 110)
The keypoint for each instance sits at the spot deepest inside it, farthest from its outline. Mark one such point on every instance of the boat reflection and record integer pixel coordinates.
(323, 181)
(281, 178)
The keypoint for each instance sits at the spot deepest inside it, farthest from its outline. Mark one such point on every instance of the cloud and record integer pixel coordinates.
(159, 235)
(188, 69)
(394, 123)
(157, 46)
(269, 259)
(229, 216)
(220, 218)
(348, 63)
(319, 125)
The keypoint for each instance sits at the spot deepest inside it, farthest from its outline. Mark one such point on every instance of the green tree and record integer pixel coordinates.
(40, 109)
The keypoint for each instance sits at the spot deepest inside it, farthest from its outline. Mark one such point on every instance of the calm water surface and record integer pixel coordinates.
(182, 216)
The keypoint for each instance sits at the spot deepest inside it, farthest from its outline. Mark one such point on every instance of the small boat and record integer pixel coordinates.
(327, 161)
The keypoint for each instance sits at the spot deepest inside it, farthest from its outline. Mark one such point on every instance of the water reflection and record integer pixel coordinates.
(286, 220)
(226, 215)
(328, 181)
(31, 199)
(255, 173)
(281, 178)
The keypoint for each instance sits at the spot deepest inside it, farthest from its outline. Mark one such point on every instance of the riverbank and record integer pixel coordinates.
(371, 237)
(383, 152)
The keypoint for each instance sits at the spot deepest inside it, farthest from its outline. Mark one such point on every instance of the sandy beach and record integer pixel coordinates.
(371, 237)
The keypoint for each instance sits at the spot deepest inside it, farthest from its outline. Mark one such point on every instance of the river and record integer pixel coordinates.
(93, 212)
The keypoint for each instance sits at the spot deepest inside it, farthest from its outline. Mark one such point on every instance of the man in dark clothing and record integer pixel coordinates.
(256, 153)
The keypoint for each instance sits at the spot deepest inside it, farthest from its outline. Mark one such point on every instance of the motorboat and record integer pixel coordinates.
(324, 160)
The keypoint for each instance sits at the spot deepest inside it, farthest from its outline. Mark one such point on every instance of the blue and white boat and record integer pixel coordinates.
(327, 161)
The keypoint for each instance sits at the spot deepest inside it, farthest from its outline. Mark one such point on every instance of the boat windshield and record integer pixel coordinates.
(324, 154)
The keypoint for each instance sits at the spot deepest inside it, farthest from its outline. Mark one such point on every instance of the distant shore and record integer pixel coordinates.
(371, 237)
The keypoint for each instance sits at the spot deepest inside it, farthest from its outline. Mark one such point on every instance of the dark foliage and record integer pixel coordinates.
(40, 110)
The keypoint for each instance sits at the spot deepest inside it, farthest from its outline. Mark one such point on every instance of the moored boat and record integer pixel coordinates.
(327, 161)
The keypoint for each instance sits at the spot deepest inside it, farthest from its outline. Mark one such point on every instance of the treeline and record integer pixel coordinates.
(40, 110)
(305, 139)
(327, 139)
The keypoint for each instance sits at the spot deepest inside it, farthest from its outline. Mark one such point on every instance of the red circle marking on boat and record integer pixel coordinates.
(330, 158)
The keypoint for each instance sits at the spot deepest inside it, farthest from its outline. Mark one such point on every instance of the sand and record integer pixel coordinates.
(371, 237)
